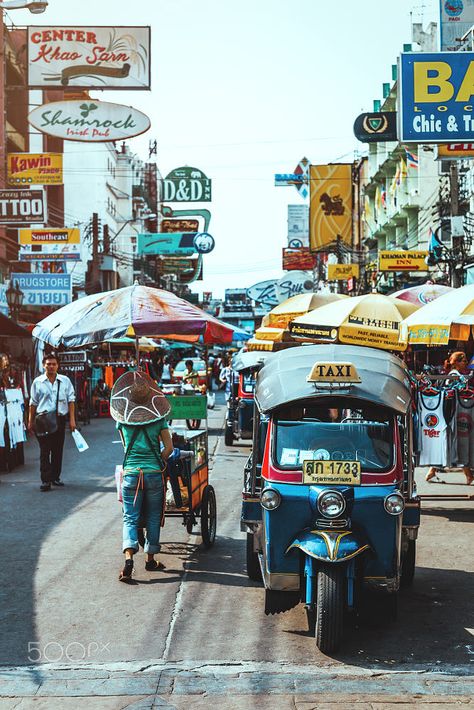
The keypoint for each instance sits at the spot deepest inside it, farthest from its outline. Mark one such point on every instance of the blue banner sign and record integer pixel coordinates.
(178, 243)
(436, 97)
(44, 289)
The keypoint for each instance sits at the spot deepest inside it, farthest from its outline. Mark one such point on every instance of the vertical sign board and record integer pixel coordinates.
(52, 290)
(298, 226)
(436, 97)
(456, 18)
(330, 205)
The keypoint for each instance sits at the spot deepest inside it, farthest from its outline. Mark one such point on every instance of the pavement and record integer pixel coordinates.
(195, 636)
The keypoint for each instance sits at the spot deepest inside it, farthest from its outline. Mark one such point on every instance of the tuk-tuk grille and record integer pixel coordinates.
(340, 523)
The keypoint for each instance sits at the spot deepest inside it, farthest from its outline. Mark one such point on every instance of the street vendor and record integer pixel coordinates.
(190, 377)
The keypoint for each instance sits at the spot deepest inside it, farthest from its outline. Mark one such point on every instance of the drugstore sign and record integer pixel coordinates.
(44, 289)
(436, 98)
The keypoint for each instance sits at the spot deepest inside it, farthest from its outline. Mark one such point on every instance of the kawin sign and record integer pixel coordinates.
(89, 121)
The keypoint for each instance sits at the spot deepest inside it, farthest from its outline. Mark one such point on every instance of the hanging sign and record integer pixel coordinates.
(299, 178)
(35, 169)
(456, 19)
(49, 236)
(298, 226)
(186, 185)
(22, 207)
(436, 97)
(341, 272)
(376, 127)
(177, 243)
(403, 261)
(297, 259)
(330, 207)
(168, 226)
(455, 151)
(89, 121)
(44, 289)
(204, 243)
(89, 57)
(52, 252)
(264, 292)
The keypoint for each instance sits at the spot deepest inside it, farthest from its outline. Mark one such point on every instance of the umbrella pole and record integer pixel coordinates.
(137, 352)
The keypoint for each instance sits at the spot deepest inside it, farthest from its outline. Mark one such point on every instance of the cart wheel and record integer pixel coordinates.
(208, 516)
(330, 607)
(228, 435)
(193, 423)
(408, 565)
(253, 565)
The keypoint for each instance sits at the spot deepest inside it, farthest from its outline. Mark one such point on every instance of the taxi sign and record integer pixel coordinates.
(345, 473)
(344, 372)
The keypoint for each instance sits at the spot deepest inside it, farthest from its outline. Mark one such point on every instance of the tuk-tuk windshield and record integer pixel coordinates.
(356, 432)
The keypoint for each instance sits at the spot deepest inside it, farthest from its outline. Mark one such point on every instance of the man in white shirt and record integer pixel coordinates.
(44, 398)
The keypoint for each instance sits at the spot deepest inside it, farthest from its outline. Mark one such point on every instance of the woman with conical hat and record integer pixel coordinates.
(140, 408)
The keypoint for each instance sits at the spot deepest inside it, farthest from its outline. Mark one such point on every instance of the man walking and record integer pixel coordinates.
(51, 392)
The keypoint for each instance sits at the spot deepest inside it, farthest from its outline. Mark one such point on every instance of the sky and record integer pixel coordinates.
(243, 90)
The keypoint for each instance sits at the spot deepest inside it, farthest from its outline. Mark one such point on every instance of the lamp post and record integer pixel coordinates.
(34, 6)
(14, 296)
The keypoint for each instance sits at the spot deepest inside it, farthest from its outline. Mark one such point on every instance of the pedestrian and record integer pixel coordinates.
(167, 371)
(190, 377)
(140, 408)
(52, 397)
(226, 377)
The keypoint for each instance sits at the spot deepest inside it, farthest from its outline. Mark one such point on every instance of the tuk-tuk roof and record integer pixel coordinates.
(250, 360)
(283, 379)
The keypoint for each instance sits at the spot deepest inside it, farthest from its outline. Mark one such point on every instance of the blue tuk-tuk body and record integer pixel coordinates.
(240, 405)
(329, 501)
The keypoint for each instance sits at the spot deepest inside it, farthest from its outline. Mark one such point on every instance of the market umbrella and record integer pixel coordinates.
(421, 295)
(450, 317)
(281, 315)
(145, 344)
(372, 320)
(132, 311)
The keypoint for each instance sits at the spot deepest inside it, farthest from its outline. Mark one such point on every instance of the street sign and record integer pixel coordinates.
(49, 236)
(181, 244)
(376, 127)
(341, 272)
(35, 169)
(184, 407)
(403, 261)
(186, 185)
(22, 207)
(44, 289)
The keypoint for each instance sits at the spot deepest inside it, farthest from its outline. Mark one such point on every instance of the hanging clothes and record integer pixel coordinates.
(434, 430)
(15, 416)
(465, 430)
(109, 376)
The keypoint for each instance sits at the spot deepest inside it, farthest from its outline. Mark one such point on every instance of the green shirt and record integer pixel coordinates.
(141, 456)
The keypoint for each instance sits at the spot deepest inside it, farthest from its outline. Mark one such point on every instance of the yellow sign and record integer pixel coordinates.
(403, 261)
(447, 151)
(333, 372)
(332, 472)
(49, 236)
(35, 168)
(341, 272)
(330, 206)
(376, 337)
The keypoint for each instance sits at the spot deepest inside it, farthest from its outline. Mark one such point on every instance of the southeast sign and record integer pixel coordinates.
(89, 121)
(49, 236)
(186, 185)
(22, 207)
(89, 57)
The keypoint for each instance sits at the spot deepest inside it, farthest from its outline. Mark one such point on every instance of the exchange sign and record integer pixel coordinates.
(22, 206)
(186, 185)
(436, 97)
(89, 57)
(44, 289)
(35, 168)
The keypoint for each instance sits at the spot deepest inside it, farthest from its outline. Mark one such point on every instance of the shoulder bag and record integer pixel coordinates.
(47, 422)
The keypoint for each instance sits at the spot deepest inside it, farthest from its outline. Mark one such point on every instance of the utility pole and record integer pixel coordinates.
(457, 242)
(106, 239)
(93, 272)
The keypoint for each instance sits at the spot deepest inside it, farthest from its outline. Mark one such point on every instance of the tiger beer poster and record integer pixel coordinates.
(330, 207)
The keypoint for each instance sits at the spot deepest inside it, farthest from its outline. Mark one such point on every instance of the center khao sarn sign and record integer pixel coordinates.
(89, 57)
(436, 97)
(89, 121)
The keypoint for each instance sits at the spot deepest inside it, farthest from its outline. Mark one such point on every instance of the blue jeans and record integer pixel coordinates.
(149, 500)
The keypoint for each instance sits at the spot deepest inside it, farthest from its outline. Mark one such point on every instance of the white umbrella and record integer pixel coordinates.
(449, 317)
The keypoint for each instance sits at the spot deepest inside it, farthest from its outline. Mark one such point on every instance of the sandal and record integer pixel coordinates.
(153, 566)
(434, 478)
(126, 573)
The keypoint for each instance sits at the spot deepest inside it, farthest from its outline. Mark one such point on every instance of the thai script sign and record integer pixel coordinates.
(35, 168)
(436, 97)
(44, 289)
(341, 272)
(403, 261)
(297, 259)
(181, 244)
(89, 121)
(184, 407)
(186, 185)
(89, 57)
(49, 236)
(457, 18)
(330, 207)
(22, 206)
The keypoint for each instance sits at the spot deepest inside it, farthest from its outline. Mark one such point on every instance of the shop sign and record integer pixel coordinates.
(264, 292)
(298, 226)
(403, 261)
(53, 252)
(341, 272)
(297, 259)
(22, 206)
(49, 236)
(299, 178)
(455, 151)
(157, 243)
(204, 243)
(179, 225)
(35, 168)
(89, 57)
(175, 265)
(376, 337)
(330, 206)
(313, 332)
(89, 121)
(187, 407)
(376, 127)
(456, 19)
(186, 185)
(293, 284)
(44, 289)
(436, 97)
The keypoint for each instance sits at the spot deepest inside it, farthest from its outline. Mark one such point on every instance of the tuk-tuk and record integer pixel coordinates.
(329, 500)
(240, 405)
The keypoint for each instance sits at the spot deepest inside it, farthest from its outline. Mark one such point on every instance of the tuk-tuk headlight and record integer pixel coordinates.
(270, 499)
(394, 504)
(331, 504)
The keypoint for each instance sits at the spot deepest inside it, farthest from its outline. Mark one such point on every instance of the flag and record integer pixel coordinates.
(383, 198)
(403, 171)
(412, 158)
(378, 200)
(433, 241)
(395, 181)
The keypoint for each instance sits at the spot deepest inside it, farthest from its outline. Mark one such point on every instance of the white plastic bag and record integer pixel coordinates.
(79, 440)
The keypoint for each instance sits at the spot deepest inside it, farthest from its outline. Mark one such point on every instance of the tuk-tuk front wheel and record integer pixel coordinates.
(228, 435)
(330, 607)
